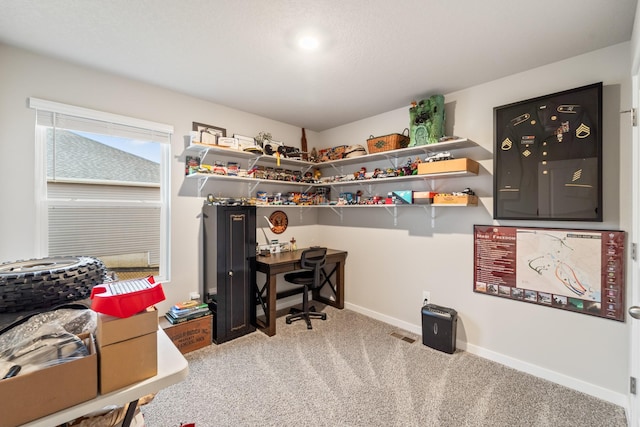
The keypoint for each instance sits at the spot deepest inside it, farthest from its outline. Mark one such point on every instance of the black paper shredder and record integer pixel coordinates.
(439, 326)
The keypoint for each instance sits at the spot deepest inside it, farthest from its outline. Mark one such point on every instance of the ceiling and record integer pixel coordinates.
(375, 55)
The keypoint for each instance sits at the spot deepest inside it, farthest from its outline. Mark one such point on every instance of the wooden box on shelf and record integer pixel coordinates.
(423, 197)
(455, 200)
(444, 166)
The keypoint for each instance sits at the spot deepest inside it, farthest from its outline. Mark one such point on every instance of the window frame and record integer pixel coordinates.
(42, 201)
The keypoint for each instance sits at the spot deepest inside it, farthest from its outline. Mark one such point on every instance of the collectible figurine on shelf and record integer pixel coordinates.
(361, 174)
(263, 137)
(308, 177)
(406, 169)
(414, 166)
(427, 120)
(313, 157)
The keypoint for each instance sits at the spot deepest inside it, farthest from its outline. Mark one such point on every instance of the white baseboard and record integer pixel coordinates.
(520, 365)
(383, 318)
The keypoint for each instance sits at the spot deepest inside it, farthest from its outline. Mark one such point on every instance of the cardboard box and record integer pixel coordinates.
(128, 362)
(449, 199)
(127, 349)
(111, 329)
(190, 335)
(444, 166)
(423, 197)
(403, 196)
(36, 394)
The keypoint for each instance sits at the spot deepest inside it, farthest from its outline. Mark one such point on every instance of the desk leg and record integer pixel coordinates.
(337, 289)
(131, 409)
(340, 285)
(269, 307)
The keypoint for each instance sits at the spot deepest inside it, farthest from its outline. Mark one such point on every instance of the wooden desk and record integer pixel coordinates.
(286, 262)
(172, 368)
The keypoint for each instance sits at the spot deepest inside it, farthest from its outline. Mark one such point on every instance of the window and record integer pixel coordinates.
(103, 188)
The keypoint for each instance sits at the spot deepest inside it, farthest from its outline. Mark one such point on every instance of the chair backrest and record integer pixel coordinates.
(314, 259)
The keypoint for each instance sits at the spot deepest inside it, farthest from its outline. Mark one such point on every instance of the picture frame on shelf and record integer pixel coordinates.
(208, 134)
(548, 157)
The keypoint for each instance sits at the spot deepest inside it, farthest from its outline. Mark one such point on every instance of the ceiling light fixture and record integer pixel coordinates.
(309, 42)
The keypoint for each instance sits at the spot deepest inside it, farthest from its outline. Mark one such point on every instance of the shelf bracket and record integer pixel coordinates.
(430, 181)
(433, 217)
(308, 168)
(201, 183)
(252, 187)
(394, 160)
(337, 211)
(394, 213)
(253, 162)
(338, 171)
(202, 152)
(369, 190)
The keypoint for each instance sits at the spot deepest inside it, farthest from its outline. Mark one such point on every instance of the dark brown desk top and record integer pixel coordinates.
(293, 256)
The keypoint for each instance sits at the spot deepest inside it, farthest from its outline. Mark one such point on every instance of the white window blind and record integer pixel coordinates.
(104, 185)
(84, 119)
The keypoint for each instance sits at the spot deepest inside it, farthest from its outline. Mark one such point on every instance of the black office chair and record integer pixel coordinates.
(312, 261)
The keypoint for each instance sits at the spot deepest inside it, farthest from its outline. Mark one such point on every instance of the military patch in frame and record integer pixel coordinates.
(548, 157)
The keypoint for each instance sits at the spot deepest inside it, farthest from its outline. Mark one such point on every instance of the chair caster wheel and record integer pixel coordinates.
(288, 321)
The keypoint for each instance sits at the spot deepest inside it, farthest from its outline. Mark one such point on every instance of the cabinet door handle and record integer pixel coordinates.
(230, 273)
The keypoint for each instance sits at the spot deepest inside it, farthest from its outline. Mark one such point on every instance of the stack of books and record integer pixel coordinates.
(187, 310)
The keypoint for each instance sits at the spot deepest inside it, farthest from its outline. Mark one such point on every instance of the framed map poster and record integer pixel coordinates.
(547, 157)
(575, 270)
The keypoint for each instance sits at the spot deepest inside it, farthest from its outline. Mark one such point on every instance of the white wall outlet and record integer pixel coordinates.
(426, 297)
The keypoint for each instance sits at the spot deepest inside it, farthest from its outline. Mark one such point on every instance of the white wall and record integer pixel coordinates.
(25, 75)
(587, 353)
(388, 266)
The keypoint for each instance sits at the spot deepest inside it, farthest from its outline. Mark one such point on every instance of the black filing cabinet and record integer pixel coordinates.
(229, 268)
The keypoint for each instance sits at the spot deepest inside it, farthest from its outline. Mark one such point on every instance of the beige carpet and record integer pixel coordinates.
(350, 371)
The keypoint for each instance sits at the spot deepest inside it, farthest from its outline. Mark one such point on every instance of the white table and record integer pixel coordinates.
(172, 368)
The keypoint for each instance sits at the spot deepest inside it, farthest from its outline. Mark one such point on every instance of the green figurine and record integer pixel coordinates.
(426, 121)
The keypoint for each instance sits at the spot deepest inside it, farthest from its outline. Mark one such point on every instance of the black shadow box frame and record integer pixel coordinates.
(548, 157)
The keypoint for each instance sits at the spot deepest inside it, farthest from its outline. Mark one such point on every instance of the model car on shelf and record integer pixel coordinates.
(467, 191)
(443, 155)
